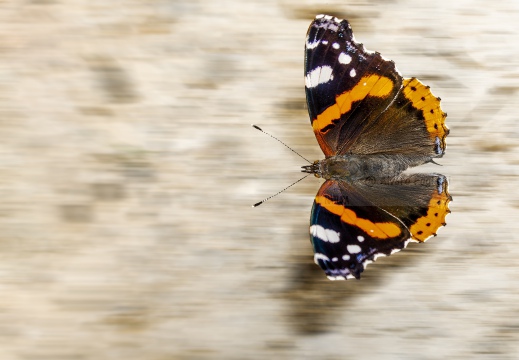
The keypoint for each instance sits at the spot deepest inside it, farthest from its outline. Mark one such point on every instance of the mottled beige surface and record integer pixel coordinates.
(128, 167)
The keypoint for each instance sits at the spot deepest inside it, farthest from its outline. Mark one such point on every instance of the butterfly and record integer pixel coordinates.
(372, 125)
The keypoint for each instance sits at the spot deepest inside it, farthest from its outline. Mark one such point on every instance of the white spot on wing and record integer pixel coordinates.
(333, 236)
(353, 73)
(330, 22)
(319, 256)
(323, 234)
(338, 277)
(319, 75)
(360, 238)
(376, 256)
(346, 257)
(311, 44)
(333, 27)
(344, 58)
(336, 46)
(405, 245)
(353, 249)
(335, 259)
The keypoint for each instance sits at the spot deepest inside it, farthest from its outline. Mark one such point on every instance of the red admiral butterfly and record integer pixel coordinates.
(371, 125)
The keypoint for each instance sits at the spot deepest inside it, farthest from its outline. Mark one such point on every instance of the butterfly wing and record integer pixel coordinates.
(420, 201)
(352, 224)
(348, 231)
(347, 88)
(358, 102)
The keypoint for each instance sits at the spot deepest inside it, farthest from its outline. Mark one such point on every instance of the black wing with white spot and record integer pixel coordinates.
(348, 231)
(347, 88)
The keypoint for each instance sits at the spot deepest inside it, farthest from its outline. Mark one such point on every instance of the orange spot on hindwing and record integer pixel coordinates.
(422, 99)
(427, 225)
(379, 230)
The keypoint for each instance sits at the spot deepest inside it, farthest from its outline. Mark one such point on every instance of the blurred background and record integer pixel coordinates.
(128, 168)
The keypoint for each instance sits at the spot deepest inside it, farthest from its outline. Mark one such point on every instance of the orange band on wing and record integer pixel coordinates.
(371, 85)
(381, 230)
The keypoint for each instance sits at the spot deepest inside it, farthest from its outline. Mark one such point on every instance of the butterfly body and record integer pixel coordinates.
(372, 125)
(356, 167)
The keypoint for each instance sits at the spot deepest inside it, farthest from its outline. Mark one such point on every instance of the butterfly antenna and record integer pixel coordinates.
(275, 138)
(279, 192)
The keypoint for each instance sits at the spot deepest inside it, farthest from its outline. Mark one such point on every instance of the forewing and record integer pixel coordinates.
(348, 231)
(347, 88)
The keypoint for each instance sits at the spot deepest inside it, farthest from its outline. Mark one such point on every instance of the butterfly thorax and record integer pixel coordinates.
(356, 167)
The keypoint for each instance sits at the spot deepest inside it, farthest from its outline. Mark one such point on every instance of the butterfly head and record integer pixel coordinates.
(314, 168)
